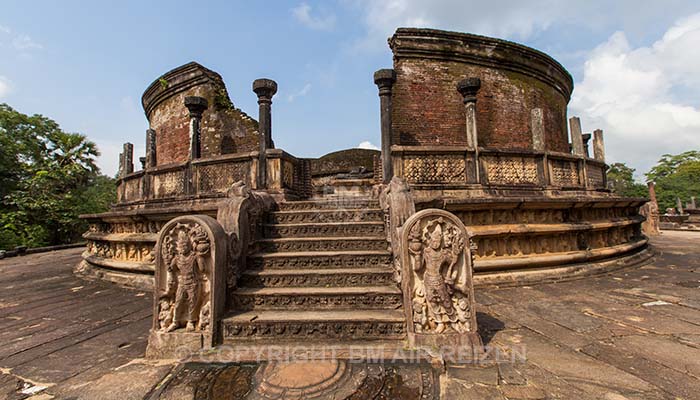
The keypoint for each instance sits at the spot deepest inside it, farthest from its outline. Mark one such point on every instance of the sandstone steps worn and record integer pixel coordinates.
(328, 261)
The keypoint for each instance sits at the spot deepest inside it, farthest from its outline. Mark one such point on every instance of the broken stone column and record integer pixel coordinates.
(264, 89)
(384, 79)
(128, 158)
(576, 137)
(468, 88)
(196, 106)
(679, 205)
(150, 148)
(537, 120)
(586, 137)
(598, 145)
(692, 203)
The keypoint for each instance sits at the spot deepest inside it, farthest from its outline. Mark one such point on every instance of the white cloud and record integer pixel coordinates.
(637, 95)
(302, 13)
(367, 145)
(5, 86)
(4, 29)
(24, 42)
(514, 19)
(301, 93)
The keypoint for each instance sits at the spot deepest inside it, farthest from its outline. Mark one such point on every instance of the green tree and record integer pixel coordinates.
(53, 179)
(668, 165)
(621, 181)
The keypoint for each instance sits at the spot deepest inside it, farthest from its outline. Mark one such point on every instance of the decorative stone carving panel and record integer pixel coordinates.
(596, 176)
(431, 169)
(288, 174)
(510, 170)
(169, 184)
(132, 190)
(189, 292)
(218, 178)
(437, 280)
(564, 173)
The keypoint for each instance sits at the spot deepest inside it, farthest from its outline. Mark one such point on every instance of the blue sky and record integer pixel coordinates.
(86, 64)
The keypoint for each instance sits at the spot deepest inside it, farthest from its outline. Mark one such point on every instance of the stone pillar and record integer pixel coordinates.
(679, 206)
(598, 145)
(150, 148)
(585, 138)
(384, 79)
(692, 203)
(576, 139)
(196, 106)
(468, 88)
(265, 89)
(128, 158)
(652, 192)
(537, 121)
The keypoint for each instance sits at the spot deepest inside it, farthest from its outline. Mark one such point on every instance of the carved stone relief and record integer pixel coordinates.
(397, 202)
(510, 170)
(429, 169)
(564, 173)
(219, 177)
(189, 287)
(168, 184)
(437, 286)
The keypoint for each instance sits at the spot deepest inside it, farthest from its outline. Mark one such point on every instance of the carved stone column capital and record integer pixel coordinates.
(385, 79)
(265, 89)
(468, 88)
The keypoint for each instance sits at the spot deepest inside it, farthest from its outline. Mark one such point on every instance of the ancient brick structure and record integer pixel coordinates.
(481, 179)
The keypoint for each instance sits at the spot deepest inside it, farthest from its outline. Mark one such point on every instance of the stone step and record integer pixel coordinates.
(334, 277)
(316, 260)
(312, 244)
(334, 298)
(365, 229)
(340, 203)
(326, 216)
(317, 325)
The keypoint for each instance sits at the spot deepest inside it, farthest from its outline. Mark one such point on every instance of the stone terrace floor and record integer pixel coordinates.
(632, 334)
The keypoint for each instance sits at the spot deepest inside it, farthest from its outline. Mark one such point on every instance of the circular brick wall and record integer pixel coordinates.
(515, 79)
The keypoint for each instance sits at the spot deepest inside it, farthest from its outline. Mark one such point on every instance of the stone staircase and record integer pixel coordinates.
(323, 272)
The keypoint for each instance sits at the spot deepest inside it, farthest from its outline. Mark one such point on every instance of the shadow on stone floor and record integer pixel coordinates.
(489, 326)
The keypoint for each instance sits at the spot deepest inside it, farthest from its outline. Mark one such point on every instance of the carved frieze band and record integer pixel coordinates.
(324, 245)
(168, 184)
(218, 178)
(253, 301)
(317, 280)
(320, 330)
(324, 230)
(431, 169)
(326, 216)
(564, 173)
(317, 262)
(510, 170)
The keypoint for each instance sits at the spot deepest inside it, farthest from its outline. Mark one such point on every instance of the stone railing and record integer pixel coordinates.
(454, 167)
(212, 177)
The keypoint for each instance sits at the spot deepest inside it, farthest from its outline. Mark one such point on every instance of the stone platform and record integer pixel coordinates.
(630, 334)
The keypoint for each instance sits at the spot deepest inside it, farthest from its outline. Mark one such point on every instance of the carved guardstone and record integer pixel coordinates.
(437, 282)
(190, 287)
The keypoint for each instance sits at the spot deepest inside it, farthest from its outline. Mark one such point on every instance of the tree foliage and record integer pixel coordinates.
(621, 181)
(47, 178)
(676, 176)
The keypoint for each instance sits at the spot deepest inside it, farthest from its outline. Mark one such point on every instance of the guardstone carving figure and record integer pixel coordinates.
(190, 286)
(437, 287)
(184, 249)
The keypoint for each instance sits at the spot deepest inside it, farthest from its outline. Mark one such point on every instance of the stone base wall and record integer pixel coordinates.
(510, 235)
